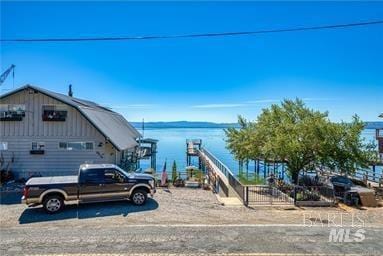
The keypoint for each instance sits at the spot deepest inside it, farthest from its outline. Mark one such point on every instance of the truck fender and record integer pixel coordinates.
(139, 186)
(53, 190)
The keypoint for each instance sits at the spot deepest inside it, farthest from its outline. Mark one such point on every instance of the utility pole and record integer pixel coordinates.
(143, 128)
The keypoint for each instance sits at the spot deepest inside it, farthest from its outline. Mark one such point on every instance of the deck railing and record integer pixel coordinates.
(221, 166)
(365, 175)
(233, 181)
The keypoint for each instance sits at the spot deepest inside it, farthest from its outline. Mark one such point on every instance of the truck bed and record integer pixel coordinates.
(52, 180)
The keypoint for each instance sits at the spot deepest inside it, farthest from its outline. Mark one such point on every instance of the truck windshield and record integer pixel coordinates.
(122, 171)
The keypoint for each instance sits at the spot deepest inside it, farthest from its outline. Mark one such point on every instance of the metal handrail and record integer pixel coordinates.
(217, 162)
(240, 189)
(369, 174)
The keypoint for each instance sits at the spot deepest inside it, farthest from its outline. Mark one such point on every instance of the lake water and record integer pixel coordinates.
(172, 146)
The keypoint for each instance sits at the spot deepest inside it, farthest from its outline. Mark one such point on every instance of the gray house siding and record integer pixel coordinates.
(55, 161)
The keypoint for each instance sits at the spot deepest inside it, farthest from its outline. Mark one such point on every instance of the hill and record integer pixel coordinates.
(183, 124)
(191, 124)
(374, 125)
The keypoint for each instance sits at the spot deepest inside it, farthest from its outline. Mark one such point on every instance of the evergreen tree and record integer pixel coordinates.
(174, 171)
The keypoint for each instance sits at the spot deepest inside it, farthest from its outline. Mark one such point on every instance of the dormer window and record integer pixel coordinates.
(54, 113)
(12, 112)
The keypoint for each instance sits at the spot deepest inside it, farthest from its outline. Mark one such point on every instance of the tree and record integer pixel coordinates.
(346, 149)
(174, 171)
(302, 138)
(243, 142)
(292, 133)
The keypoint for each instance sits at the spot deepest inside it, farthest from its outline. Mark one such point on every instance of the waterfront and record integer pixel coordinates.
(172, 146)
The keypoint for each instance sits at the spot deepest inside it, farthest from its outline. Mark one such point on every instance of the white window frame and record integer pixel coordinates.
(75, 149)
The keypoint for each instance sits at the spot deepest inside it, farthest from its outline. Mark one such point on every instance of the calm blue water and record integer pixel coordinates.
(172, 146)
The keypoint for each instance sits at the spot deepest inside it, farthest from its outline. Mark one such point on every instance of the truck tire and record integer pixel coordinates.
(53, 203)
(139, 197)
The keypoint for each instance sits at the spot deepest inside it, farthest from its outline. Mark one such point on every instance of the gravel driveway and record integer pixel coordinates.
(181, 221)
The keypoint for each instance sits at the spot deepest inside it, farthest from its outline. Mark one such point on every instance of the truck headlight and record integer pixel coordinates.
(151, 183)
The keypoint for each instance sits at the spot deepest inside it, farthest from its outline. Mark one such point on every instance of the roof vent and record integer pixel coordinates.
(70, 92)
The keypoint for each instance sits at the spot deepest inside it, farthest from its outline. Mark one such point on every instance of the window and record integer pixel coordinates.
(54, 113)
(102, 176)
(37, 148)
(95, 176)
(76, 145)
(3, 145)
(113, 176)
(12, 112)
(38, 145)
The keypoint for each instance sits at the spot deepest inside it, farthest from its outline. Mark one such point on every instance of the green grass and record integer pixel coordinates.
(250, 179)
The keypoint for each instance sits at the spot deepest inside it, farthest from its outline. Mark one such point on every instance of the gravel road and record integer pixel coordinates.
(185, 221)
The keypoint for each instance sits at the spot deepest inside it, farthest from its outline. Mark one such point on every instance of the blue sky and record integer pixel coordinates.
(209, 79)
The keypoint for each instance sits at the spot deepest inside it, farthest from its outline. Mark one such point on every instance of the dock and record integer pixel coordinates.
(193, 146)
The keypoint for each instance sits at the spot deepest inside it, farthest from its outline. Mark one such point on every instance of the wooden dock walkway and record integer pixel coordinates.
(229, 191)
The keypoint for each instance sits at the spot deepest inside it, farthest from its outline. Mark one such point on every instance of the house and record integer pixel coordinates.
(48, 133)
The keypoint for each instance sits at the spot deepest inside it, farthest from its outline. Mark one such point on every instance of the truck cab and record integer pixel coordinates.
(109, 182)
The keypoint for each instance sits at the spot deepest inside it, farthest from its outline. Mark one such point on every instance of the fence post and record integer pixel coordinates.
(295, 195)
(246, 188)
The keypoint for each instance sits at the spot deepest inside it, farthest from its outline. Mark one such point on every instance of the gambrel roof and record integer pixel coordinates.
(112, 125)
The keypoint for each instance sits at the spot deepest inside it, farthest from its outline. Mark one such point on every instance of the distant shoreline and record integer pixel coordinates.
(207, 125)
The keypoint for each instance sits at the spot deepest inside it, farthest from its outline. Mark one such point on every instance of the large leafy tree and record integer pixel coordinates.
(301, 137)
(240, 141)
(346, 150)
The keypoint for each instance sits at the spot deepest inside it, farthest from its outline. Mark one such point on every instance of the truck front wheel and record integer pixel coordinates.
(53, 203)
(139, 197)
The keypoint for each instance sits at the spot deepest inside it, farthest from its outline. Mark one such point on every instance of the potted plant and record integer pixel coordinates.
(179, 182)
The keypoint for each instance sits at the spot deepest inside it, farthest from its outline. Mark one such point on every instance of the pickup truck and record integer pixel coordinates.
(94, 183)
